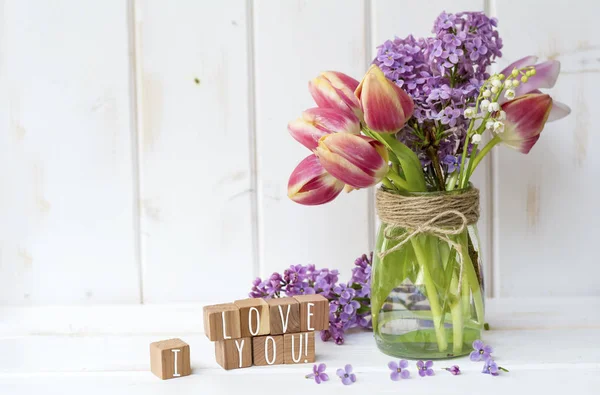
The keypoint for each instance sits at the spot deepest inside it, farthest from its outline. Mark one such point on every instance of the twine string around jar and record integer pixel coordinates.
(439, 214)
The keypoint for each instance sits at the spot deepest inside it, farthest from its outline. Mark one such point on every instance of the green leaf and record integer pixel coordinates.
(411, 165)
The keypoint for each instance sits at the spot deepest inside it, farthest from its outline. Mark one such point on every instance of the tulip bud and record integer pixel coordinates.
(525, 119)
(318, 122)
(385, 105)
(332, 89)
(358, 161)
(311, 185)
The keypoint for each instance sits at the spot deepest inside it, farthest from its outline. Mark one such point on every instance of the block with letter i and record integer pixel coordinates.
(222, 322)
(170, 359)
(299, 347)
(234, 353)
(314, 312)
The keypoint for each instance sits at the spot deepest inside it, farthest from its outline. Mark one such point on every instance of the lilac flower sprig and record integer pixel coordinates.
(443, 75)
(350, 303)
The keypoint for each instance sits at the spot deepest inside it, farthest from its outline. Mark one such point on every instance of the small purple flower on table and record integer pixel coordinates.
(481, 351)
(491, 367)
(318, 373)
(346, 375)
(425, 368)
(454, 369)
(399, 370)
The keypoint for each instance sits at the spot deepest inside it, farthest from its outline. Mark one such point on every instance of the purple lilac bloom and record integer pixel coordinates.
(490, 367)
(452, 163)
(399, 370)
(451, 116)
(476, 48)
(442, 74)
(318, 373)
(454, 369)
(425, 368)
(346, 375)
(481, 351)
(349, 302)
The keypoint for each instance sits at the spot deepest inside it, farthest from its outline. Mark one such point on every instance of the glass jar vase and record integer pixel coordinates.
(427, 297)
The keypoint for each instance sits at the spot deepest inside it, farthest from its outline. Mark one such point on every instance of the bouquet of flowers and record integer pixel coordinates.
(415, 124)
(416, 119)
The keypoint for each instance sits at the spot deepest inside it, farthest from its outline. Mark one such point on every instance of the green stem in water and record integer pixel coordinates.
(472, 280)
(456, 311)
(432, 295)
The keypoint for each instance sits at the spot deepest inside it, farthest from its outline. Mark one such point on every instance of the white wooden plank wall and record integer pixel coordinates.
(194, 148)
(546, 203)
(144, 154)
(66, 183)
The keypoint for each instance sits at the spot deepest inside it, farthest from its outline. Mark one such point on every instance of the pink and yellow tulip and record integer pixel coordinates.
(311, 185)
(318, 122)
(332, 89)
(385, 105)
(358, 161)
(546, 74)
(525, 119)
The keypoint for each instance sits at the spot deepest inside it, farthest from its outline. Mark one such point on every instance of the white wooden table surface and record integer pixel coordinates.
(550, 346)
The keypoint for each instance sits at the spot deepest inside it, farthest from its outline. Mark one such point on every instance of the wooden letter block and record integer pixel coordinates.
(254, 317)
(170, 358)
(299, 347)
(234, 353)
(284, 315)
(222, 322)
(314, 312)
(267, 350)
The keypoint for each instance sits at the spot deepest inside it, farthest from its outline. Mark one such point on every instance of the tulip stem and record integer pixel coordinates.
(473, 163)
(386, 181)
(398, 180)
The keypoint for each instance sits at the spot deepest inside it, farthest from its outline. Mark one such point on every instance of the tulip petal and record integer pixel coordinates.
(333, 120)
(385, 105)
(332, 89)
(311, 185)
(519, 64)
(526, 117)
(523, 146)
(545, 77)
(559, 111)
(318, 122)
(355, 160)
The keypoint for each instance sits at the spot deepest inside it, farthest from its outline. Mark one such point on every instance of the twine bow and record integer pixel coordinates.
(440, 214)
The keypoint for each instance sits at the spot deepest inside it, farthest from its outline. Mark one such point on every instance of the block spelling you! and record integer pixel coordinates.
(234, 353)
